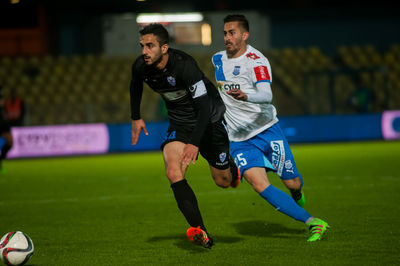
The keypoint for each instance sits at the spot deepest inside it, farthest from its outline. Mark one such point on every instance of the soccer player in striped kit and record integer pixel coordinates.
(257, 142)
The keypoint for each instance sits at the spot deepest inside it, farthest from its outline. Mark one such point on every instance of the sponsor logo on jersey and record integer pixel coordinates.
(174, 95)
(222, 157)
(220, 85)
(252, 56)
(171, 80)
(262, 73)
(228, 86)
(236, 70)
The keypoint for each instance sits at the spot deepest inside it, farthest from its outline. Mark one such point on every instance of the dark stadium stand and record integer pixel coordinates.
(95, 88)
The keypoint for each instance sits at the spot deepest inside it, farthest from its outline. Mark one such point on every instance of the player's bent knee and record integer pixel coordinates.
(174, 175)
(260, 187)
(293, 184)
(258, 183)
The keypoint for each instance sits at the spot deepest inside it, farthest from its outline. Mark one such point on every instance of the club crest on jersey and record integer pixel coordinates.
(171, 80)
(222, 157)
(236, 70)
(252, 56)
(289, 166)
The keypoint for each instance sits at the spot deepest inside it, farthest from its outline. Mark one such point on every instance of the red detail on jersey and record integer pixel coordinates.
(262, 73)
(252, 56)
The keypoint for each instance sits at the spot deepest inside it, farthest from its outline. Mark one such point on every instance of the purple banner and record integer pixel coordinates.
(391, 125)
(59, 140)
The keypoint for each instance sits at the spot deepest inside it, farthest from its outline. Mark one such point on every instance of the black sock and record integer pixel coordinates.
(296, 194)
(187, 203)
(234, 169)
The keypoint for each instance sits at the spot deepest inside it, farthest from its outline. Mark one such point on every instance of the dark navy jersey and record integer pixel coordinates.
(191, 99)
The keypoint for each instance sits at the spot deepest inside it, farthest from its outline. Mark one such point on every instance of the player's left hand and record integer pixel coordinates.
(189, 154)
(238, 95)
(137, 127)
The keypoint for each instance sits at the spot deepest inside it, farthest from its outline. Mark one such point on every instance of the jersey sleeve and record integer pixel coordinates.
(261, 70)
(191, 75)
(136, 91)
(263, 94)
(194, 81)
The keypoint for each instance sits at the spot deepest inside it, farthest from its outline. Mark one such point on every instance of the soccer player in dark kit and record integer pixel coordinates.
(195, 112)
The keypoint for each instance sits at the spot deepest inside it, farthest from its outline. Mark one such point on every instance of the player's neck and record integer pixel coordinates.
(239, 53)
(161, 65)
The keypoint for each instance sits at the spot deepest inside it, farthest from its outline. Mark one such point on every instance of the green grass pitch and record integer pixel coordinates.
(119, 210)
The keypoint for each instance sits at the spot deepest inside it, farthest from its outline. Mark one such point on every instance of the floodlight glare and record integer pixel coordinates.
(169, 17)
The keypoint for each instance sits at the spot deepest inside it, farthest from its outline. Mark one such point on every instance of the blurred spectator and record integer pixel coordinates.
(14, 109)
(362, 97)
(6, 140)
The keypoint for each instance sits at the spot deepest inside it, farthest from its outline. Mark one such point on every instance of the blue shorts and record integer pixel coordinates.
(268, 149)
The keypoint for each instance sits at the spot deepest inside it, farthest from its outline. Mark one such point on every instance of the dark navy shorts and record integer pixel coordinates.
(214, 145)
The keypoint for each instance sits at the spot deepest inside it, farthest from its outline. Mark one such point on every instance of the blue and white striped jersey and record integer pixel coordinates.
(244, 119)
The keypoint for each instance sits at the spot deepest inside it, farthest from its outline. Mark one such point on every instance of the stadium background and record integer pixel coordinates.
(72, 68)
(71, 60)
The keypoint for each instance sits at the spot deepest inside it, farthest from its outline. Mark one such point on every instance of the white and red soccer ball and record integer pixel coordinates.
(16, 248)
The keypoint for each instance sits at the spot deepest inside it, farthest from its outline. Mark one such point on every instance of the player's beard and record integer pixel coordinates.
(234, 49)
(232, 52)
(158, 59)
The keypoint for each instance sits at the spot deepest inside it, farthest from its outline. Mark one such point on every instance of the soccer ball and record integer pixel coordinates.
(16, 248)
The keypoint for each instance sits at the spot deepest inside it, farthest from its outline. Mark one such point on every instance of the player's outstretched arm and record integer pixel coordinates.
(137, 126)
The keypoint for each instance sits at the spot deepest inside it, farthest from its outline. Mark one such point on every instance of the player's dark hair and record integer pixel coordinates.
(243, 22)
(158, 30)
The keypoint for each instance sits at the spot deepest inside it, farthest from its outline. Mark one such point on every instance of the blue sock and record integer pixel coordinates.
(284, 203)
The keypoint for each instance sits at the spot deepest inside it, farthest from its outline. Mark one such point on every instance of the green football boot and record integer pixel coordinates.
(317, 228)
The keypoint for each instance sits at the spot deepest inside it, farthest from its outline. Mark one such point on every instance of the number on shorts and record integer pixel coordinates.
(242, 161)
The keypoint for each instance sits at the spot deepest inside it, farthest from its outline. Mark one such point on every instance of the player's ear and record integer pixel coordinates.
(246, 35)
(164, 48)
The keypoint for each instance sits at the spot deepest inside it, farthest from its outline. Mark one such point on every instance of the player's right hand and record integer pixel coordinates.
(190, 153)
(137, 126)
(238, 94)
